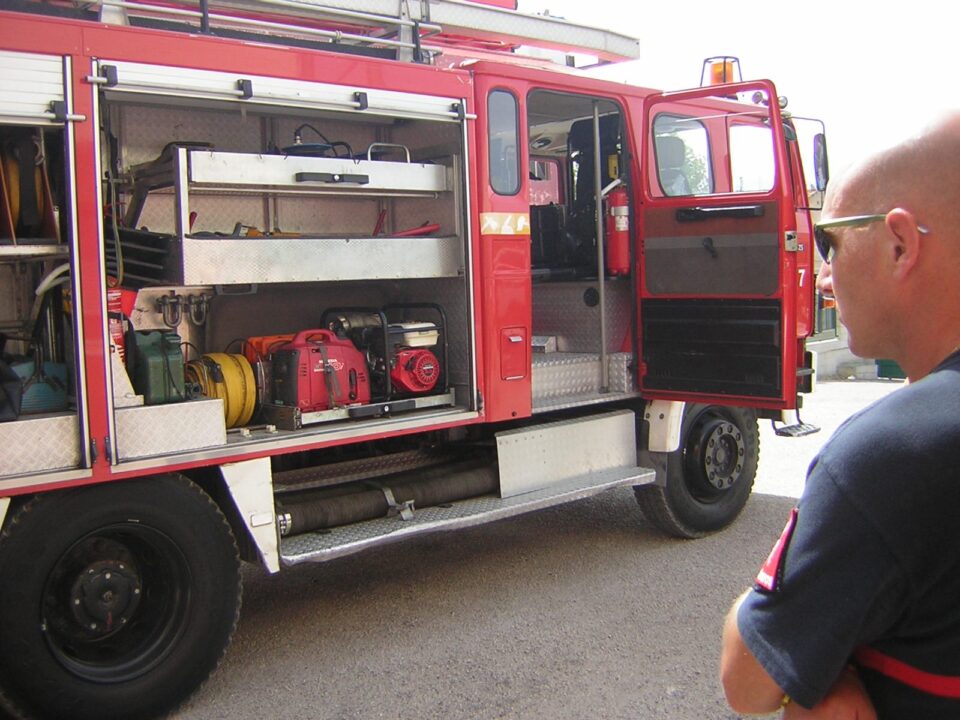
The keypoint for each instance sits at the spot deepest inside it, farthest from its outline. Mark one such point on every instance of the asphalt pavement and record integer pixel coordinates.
(577, 612)
(784, 461)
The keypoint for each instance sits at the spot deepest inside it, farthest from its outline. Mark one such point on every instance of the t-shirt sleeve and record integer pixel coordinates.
(839, 586)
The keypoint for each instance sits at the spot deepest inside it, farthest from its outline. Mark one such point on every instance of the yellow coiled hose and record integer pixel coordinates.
(230, 378)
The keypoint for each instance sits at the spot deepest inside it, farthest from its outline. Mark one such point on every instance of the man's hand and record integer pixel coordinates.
(847, 700)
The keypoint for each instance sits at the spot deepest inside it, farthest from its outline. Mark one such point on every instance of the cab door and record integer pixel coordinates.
(718, 250)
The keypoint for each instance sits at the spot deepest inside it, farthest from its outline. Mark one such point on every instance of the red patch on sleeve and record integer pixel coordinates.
(771, 574)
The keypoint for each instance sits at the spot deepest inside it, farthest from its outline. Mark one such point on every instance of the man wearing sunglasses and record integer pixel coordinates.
(856, 612)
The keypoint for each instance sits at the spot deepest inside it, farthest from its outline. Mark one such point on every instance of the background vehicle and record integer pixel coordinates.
(286, 287)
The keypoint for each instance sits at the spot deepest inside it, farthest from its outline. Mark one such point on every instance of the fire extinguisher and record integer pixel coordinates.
(617, 232)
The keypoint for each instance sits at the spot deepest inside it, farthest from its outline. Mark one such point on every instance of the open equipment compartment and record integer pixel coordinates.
(41, 407)
(238, 227)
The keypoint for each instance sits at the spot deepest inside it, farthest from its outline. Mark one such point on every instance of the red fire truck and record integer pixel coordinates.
(281, 282)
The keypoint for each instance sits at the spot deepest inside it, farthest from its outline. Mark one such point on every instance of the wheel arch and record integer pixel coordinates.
(244, 493)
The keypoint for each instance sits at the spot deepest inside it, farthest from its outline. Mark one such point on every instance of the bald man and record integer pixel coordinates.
(856, 612)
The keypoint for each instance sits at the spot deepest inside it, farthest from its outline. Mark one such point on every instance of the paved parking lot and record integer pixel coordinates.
(783, 462)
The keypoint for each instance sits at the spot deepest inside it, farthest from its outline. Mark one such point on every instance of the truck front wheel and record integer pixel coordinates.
(710, 477)
(118, 600)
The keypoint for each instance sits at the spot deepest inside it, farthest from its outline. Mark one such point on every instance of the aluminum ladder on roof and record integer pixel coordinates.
(394, 23)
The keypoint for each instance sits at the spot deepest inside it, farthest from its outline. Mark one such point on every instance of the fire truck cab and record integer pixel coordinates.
(279, 285)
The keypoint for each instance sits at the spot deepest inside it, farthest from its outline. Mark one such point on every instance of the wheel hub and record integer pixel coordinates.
(105, 596)
(723, 455)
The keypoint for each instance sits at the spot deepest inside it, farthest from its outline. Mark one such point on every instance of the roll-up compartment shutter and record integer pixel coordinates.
(31, 89)
(141, 82)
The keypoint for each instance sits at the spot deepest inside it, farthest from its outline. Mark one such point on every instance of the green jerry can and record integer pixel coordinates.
(157, 367)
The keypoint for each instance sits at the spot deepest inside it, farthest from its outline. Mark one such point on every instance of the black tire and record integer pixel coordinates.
(709, 479)
(117, 601)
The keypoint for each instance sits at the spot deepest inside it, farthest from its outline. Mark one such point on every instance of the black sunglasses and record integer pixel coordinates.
(822, 239)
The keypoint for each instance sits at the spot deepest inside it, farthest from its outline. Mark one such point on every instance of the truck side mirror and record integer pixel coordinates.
(821, 166)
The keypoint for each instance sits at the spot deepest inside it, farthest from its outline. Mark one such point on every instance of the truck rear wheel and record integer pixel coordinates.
(710, 477)
(118, 601)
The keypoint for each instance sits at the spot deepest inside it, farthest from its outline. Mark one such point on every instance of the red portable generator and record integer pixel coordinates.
(316, 371)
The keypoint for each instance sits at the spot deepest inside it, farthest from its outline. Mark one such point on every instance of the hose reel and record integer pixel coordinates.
(230, 378)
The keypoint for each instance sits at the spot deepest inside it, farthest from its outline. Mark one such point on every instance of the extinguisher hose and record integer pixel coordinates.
(230, 378)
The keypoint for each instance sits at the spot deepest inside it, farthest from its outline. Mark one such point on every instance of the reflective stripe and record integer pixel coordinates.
(947, 686)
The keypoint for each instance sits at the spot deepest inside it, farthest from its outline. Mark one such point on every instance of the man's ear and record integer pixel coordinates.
(906, 242)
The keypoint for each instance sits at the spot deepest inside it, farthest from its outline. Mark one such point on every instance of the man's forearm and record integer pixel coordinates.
(748, 687)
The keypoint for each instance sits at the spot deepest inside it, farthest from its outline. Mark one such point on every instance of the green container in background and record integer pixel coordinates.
(157, 367)
(890, 369)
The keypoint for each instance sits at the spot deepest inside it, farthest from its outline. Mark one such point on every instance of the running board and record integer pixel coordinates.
(346, 540)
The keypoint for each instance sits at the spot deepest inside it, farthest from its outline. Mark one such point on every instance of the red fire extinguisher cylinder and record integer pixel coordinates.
(617, 232)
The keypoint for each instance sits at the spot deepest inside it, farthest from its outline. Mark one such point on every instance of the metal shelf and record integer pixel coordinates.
(186, 259)
(235, 171)
(23, 250)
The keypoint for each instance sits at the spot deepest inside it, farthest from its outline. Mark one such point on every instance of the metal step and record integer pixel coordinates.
(322, 546)
(796, 430)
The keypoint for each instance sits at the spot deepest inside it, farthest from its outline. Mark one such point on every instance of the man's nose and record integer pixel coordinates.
(825, 280)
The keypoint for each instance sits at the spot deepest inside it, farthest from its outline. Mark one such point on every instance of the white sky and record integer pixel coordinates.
(873, 71)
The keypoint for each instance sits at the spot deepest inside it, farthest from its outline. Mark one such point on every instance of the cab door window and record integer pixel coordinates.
(503, 129)
(752, 162)
(682, 153)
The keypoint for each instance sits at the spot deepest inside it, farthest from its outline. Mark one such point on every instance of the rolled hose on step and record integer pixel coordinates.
(435, 486)
(230, 378)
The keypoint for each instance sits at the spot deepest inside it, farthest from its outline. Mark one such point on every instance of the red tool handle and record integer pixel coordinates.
(425, 229)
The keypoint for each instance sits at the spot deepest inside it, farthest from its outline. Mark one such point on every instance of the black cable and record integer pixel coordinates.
(298, 134)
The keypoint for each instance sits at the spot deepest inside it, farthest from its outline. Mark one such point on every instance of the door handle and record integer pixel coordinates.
(696, 214)
(708, 246)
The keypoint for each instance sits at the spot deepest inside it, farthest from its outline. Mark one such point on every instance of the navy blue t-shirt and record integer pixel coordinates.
(874, 557)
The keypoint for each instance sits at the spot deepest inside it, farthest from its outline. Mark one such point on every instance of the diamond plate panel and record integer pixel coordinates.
(213, 214)
(351, 470)
(565, 375)
(559, 309)
(161, 429)
(541, 456)
(358, 135)
(327, 215)
(36, 444)
(141, 143)
(622, 376)
(561, 374)
(213, 261)
(317, 547)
